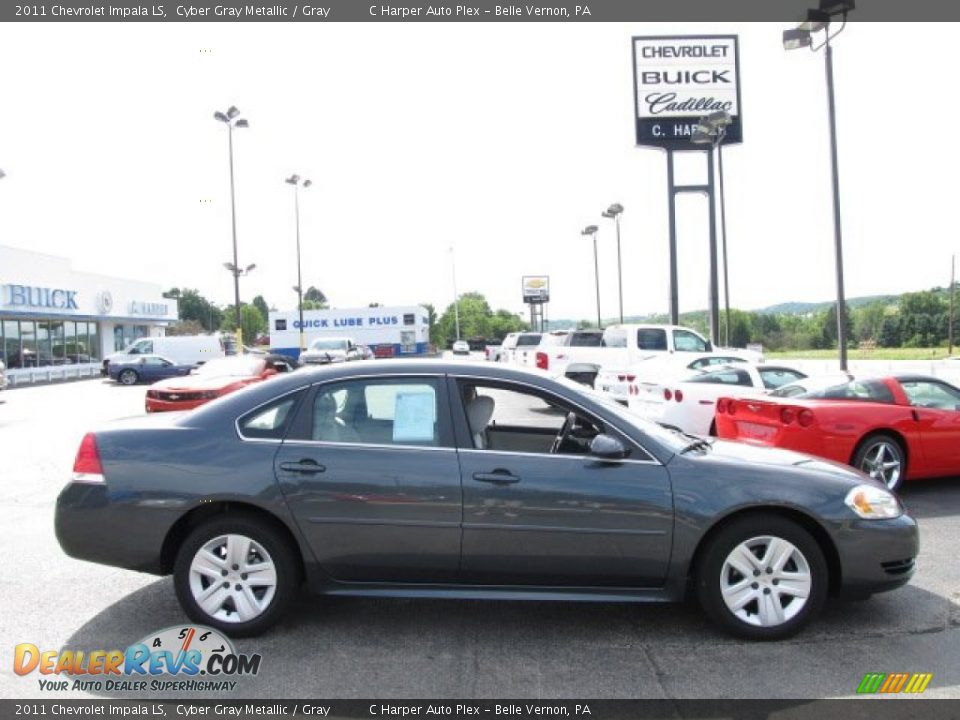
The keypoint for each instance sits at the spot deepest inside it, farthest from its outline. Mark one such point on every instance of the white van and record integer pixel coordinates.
(183, 349)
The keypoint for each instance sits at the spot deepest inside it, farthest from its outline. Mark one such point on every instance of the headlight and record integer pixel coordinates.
(873, 503)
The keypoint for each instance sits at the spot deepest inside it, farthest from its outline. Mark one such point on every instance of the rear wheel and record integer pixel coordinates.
(128, 377)
(882, 458)
(762, 577)
(236, 574)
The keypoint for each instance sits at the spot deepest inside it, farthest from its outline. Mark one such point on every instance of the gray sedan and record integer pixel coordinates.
(433, 479)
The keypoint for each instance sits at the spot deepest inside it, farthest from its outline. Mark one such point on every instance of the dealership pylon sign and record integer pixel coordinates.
(679, 79)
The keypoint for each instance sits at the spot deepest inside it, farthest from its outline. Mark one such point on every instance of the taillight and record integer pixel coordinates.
(722, 405)
(543, 361)
(787, 416)
(631, 378)
(667, 394)
(731, 407)
(86, 466)
(678, 395)
(805, 418)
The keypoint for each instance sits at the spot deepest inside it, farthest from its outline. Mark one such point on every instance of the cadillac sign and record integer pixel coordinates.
(678, 80)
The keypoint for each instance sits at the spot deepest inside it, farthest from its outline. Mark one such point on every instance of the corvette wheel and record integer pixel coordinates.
(881, 457)
(762, 578)
(236, 574)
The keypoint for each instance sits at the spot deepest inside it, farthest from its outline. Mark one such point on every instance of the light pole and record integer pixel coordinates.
(297, 183)
(614, 212)
(712, 130)
(2, 174)
(233, 120)
(592, 231)
(456, 297)
(799, 37)
(237, 272)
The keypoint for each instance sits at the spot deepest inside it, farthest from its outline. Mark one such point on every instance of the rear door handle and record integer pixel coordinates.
(304, 467)
(497, 477)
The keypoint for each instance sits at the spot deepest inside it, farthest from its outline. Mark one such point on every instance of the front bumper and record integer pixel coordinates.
(157, 405)
(876, 555)
(93, 525)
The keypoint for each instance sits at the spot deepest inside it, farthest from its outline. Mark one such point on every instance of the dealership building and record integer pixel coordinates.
(57, 323)
(388, 331)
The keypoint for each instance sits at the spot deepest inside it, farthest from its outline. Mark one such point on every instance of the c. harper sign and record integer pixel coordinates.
(678, 80)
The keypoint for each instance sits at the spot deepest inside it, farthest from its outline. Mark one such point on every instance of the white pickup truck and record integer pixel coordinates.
(637, 350)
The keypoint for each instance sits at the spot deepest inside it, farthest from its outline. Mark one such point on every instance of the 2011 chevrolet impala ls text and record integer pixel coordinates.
(460, 480)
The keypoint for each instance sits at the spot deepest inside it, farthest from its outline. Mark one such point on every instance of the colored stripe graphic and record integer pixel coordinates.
(894, 683)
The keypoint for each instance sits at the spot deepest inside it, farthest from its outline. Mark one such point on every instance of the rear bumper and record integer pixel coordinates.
(877, 555)
(92, 525)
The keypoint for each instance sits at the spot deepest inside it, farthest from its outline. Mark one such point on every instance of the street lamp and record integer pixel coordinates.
(592, 231)
(231, 118)
(614, 212)
(456, 298)
(297, 183)
(2, 174)
(712, 130)
(799, 37)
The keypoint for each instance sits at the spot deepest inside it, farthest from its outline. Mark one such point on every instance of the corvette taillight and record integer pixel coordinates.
(731, 407)
(667, 394)
(678, 395)
(787, 416)
(722, 405)
(805, 418)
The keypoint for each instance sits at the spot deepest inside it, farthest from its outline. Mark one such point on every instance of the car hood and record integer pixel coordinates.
(729, 452)
(198, 382)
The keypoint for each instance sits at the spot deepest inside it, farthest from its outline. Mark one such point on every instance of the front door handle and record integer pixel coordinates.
(497, 477)
(304, 467)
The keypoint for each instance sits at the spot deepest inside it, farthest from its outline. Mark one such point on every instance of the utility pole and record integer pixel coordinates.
(953, 285)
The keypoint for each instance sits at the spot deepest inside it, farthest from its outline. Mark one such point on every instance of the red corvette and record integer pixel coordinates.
(213, 379)
(885, 427)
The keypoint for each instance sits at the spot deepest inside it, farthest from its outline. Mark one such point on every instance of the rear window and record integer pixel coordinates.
(652, 339)
(866, 390)
(528, 340)
(724, 377)
(584, 339)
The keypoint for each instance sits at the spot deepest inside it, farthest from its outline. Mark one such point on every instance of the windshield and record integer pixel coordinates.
(672, 440)
(328, 345)
(236, 366)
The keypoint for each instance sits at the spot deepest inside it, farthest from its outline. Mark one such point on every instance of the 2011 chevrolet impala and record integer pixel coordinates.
(433, 479)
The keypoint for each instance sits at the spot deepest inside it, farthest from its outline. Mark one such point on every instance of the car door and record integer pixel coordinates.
(937, 409)
(536, 517)
(370, 472)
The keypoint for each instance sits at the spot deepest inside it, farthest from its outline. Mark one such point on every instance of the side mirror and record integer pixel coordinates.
(607, 447)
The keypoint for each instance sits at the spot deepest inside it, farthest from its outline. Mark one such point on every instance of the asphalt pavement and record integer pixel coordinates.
(347, 648)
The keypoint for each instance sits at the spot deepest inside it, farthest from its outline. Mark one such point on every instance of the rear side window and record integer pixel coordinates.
(651, 339)
(528, 340)
(724, 377)
(269, 422)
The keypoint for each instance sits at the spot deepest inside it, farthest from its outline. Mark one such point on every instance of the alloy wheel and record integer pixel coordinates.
(765, 581)
(128, 377)
(883, 461)
(233, 578)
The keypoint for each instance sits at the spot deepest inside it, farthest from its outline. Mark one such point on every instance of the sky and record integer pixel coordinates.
(501, 141)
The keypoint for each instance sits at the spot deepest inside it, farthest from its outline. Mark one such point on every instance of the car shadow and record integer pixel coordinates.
(388, 648)
(931, 498)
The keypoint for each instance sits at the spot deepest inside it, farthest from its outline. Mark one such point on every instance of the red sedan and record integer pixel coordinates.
(211, 380)
(882, 426)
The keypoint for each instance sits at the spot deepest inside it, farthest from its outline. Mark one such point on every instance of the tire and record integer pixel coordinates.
(264, 604)
(128, 377)
(766, 612)
(882, 457)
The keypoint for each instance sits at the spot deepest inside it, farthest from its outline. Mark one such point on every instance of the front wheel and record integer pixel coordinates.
(128, 377)
(762, 577)
(236, 574)
(882, 458)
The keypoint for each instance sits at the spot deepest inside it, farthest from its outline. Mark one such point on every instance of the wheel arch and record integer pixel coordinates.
(896, 435)
(206, 511)
(804, 520)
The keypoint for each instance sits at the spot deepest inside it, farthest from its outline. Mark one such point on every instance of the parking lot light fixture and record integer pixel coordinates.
(295, 181)
(2, 174)
(614, 212)
(591, 230)
(231, 119)
(802, 37)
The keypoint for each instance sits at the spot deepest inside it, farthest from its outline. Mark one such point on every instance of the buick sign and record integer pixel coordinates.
(678, 80)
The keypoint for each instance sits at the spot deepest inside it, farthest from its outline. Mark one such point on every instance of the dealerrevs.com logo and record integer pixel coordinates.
(175, 659)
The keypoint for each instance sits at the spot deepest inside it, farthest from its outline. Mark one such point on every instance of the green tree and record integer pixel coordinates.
(432, 322)
(194, 306)
(252, 322)
(477, 319)
(260, 304)
(314, 299)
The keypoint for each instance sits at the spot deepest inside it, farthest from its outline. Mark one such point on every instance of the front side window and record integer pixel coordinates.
(686, 341)
(391, 411)
(927, 394)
